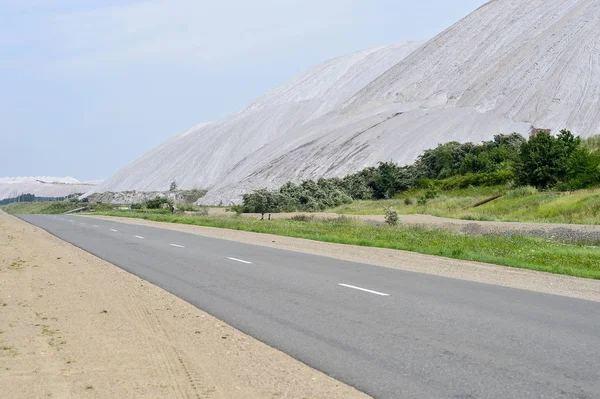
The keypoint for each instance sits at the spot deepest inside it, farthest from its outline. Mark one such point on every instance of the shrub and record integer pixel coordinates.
(158, 202)
(136, 206)
(422, 201)
(238, 209)
(475, 180)
(522, 192)
(432, 193)
(546, 161)
(391, 217)
(408, 201)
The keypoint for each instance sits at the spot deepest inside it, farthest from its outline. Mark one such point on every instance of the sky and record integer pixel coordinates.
(88, 86)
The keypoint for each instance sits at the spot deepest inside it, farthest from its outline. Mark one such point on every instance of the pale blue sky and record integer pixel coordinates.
(87, 86)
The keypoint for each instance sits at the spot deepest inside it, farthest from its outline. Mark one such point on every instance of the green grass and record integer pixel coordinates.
(520, 205)
(516, 251)
(50, 208)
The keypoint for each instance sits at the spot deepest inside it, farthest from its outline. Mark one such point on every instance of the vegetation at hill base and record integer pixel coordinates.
(515, 251)
(546, 162)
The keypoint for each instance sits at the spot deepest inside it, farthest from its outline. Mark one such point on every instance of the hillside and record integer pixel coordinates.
(509, 66)
(200, 157)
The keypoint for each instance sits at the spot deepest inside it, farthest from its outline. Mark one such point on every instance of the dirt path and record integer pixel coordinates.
(564, 232)
(74, 326)
(465, 270)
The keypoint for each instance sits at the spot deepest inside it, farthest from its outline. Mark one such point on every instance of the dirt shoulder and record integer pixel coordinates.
(74, 326)
(464, 270)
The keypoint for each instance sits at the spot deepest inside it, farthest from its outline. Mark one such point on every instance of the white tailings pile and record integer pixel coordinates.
(510, 65)
(43, 186)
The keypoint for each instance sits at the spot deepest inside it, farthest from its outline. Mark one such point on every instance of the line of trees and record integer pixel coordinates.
(34, 198)
(562, 162)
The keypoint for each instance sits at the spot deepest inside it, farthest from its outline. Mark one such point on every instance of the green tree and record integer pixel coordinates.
(260, 201)
(545, 160)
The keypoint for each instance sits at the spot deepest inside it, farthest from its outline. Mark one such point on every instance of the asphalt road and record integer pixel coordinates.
(389, 333)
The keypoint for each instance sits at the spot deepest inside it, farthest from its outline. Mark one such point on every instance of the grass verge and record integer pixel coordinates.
(514, 251)
(50, 208)
(520, 205)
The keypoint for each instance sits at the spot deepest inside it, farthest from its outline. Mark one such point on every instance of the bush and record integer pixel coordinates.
(391, 217)
(546, 161)
(422, 201)
(408, 201)
(432, 193)
(522, 192)
(158, 202)
(136, 206)
(474, 180)
(238, 209)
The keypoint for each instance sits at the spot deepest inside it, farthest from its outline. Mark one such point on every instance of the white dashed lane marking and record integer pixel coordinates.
(140, 237)
(363, 289)
(240, 260)
(177, 246)
(113, 230)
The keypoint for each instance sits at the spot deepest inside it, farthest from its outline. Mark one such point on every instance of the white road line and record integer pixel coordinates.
(240, 260)
(96, 225)
(177, 246)
(113, 230)
(81, 223)
(363, 289)
(140, 237)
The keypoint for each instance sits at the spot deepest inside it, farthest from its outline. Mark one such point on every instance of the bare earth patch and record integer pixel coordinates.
(74, 326)
(464, 270)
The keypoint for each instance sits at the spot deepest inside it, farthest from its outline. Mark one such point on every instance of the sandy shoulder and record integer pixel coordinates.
(464, 270)
(72, 326)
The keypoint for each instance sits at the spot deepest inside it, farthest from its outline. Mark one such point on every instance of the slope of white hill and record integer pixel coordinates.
(509, 66)
(201, 156)
(43, 186)
(535, 61)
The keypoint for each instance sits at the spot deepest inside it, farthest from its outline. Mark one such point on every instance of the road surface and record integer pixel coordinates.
(389, 333)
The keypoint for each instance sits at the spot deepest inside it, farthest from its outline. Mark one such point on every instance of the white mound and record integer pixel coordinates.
(510, 65)
(43, 186)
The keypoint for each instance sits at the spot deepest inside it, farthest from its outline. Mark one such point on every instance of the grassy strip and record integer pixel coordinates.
(515, 251)
(517, 206)
(49, 208)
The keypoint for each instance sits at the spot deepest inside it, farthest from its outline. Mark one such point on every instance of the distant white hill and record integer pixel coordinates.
(202, 156)
(509, 66)
(43, 186)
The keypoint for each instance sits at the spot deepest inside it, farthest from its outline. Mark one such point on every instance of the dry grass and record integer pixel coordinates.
(520, 205)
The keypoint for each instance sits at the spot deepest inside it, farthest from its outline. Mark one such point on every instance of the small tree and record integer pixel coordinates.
(173, 186)
(545, 160)
(391, 217)
(260, 201)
